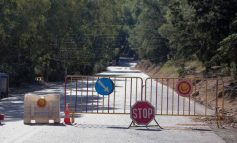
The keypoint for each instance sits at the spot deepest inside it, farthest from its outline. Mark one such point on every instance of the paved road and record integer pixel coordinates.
(102, 128)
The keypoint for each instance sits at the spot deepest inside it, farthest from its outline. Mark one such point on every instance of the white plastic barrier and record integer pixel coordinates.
(41, 108)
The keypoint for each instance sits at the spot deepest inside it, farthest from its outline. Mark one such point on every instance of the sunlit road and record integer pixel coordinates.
(103, 128)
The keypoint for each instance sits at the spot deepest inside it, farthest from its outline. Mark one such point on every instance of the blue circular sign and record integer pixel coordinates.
(104, 86)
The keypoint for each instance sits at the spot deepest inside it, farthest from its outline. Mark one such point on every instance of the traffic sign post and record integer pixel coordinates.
(184, 87)
(142, 113)
(104, 86)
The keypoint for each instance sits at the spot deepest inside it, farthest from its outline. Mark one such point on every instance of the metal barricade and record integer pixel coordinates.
(206, 94)
(81, 96)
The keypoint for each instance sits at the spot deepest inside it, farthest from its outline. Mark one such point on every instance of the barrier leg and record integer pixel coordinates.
(132, 124)
(158, 124)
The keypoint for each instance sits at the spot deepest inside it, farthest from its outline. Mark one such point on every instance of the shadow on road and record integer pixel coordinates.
(114, 127)
(46, 124)
(148, 129)
(86, 103)
(12, 109)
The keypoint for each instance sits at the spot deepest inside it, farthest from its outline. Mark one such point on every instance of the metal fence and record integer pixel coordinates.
(82, 97)
(207, 93)
(80, 94)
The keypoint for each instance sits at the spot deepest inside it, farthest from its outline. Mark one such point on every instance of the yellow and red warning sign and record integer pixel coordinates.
(41, 102)
(184, 87)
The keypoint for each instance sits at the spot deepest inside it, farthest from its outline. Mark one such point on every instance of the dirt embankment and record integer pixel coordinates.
(201, 94)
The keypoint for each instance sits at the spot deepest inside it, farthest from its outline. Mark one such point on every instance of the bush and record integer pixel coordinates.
(181, 72)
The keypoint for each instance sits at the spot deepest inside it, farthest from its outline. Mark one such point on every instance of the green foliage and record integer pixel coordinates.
(205, 29)
(144, 37)
(228, 52)
(51, 38)
(213, 20)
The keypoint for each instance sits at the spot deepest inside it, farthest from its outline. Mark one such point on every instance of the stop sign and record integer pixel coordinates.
(142, 112)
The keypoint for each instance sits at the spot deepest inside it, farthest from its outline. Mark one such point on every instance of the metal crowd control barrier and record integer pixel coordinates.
(81, 96)
(160, 92)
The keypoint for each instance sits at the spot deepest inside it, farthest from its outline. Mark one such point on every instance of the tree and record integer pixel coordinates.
(228, 48)
(212, 20)
(145, 38)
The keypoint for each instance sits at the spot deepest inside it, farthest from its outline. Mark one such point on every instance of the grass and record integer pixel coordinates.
(195, 64)
(170, 69)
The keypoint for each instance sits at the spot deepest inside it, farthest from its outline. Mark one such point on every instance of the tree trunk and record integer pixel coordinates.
(46, 73)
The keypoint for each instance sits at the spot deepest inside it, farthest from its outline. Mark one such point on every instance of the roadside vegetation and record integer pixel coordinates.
(185, 31)
(52, 38)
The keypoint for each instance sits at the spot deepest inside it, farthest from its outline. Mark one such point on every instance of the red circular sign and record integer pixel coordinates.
(184, 87)
(142, 113)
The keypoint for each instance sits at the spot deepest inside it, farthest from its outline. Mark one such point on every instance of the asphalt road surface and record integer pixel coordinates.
(107, 128)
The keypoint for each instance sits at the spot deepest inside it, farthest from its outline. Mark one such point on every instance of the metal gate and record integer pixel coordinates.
(82, 97)
(160, 92)
(206, 99)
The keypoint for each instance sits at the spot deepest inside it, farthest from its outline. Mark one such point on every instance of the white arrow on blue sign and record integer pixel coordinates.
(104, 86)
